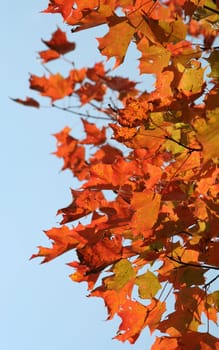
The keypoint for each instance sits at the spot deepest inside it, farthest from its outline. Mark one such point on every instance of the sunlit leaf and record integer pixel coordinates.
(148, 285)
(154, 59)
(133, 316)
(55, 87)
(123, 272)
(116, 42)
(146, 207)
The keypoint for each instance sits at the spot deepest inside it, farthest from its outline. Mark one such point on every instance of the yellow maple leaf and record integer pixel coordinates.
(208, 135)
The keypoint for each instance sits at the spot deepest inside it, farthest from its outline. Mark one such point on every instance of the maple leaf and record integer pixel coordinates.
(155, 312)
(88, 15)
(72, 154)
(113, 299)
(133, 316)
(88, 92)
(123, 272)
(100, 254)
(192, 79)
(142, 203)
(84, 203)
(176, 30)
(213, 60)
(31, 102)
(64, 7)
(106, 154)
(63, 239)
(78, 75)
(116, 42)
(213, 258)
(154, 59)
(134, 113)
(96, 72)
(148, 285)
(163, 85)
(55, 87)
(59, 42)
(95, 136)
(207, 132)
(112, 175)
(49, 55)
(58, 45)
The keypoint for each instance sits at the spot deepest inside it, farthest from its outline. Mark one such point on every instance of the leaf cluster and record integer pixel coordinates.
(145, 221)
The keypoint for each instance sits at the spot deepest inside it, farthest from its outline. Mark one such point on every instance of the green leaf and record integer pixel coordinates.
(123, 273)
(148, 285)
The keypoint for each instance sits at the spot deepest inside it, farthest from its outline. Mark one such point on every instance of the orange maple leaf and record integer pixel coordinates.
(63, 239)
(115, 43)
(49, 55)
(144, 203)
(64, 7)
(55, 86)
(95, 136)
(133, 315)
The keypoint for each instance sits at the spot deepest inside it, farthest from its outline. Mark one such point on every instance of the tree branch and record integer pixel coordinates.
(191, 149)
(80, 114)
(203, 266)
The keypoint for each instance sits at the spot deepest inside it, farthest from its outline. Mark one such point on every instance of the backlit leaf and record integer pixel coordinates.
(208, 133)
(123, 273)
(154, 59)
(115, 43)
(146, 207)
(62, 239)
(95, 136)
(133, 316)
(55, 87)
(192, 80)
(155, 311)
(148, 285)
(49, 55)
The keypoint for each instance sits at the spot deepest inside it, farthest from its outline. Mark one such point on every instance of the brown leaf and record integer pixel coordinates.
(31, 102)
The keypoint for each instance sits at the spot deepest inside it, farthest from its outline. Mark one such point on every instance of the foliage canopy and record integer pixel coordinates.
(148, 166)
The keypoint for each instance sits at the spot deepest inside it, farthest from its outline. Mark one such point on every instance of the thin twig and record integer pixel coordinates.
(65, 109)
(206, 308)
(162, 291)
(211, 9)
(168, 294)
(203, 266)
(211, 281)
(190, 149)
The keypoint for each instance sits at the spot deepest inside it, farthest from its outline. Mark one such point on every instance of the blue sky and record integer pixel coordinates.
(40, 307)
